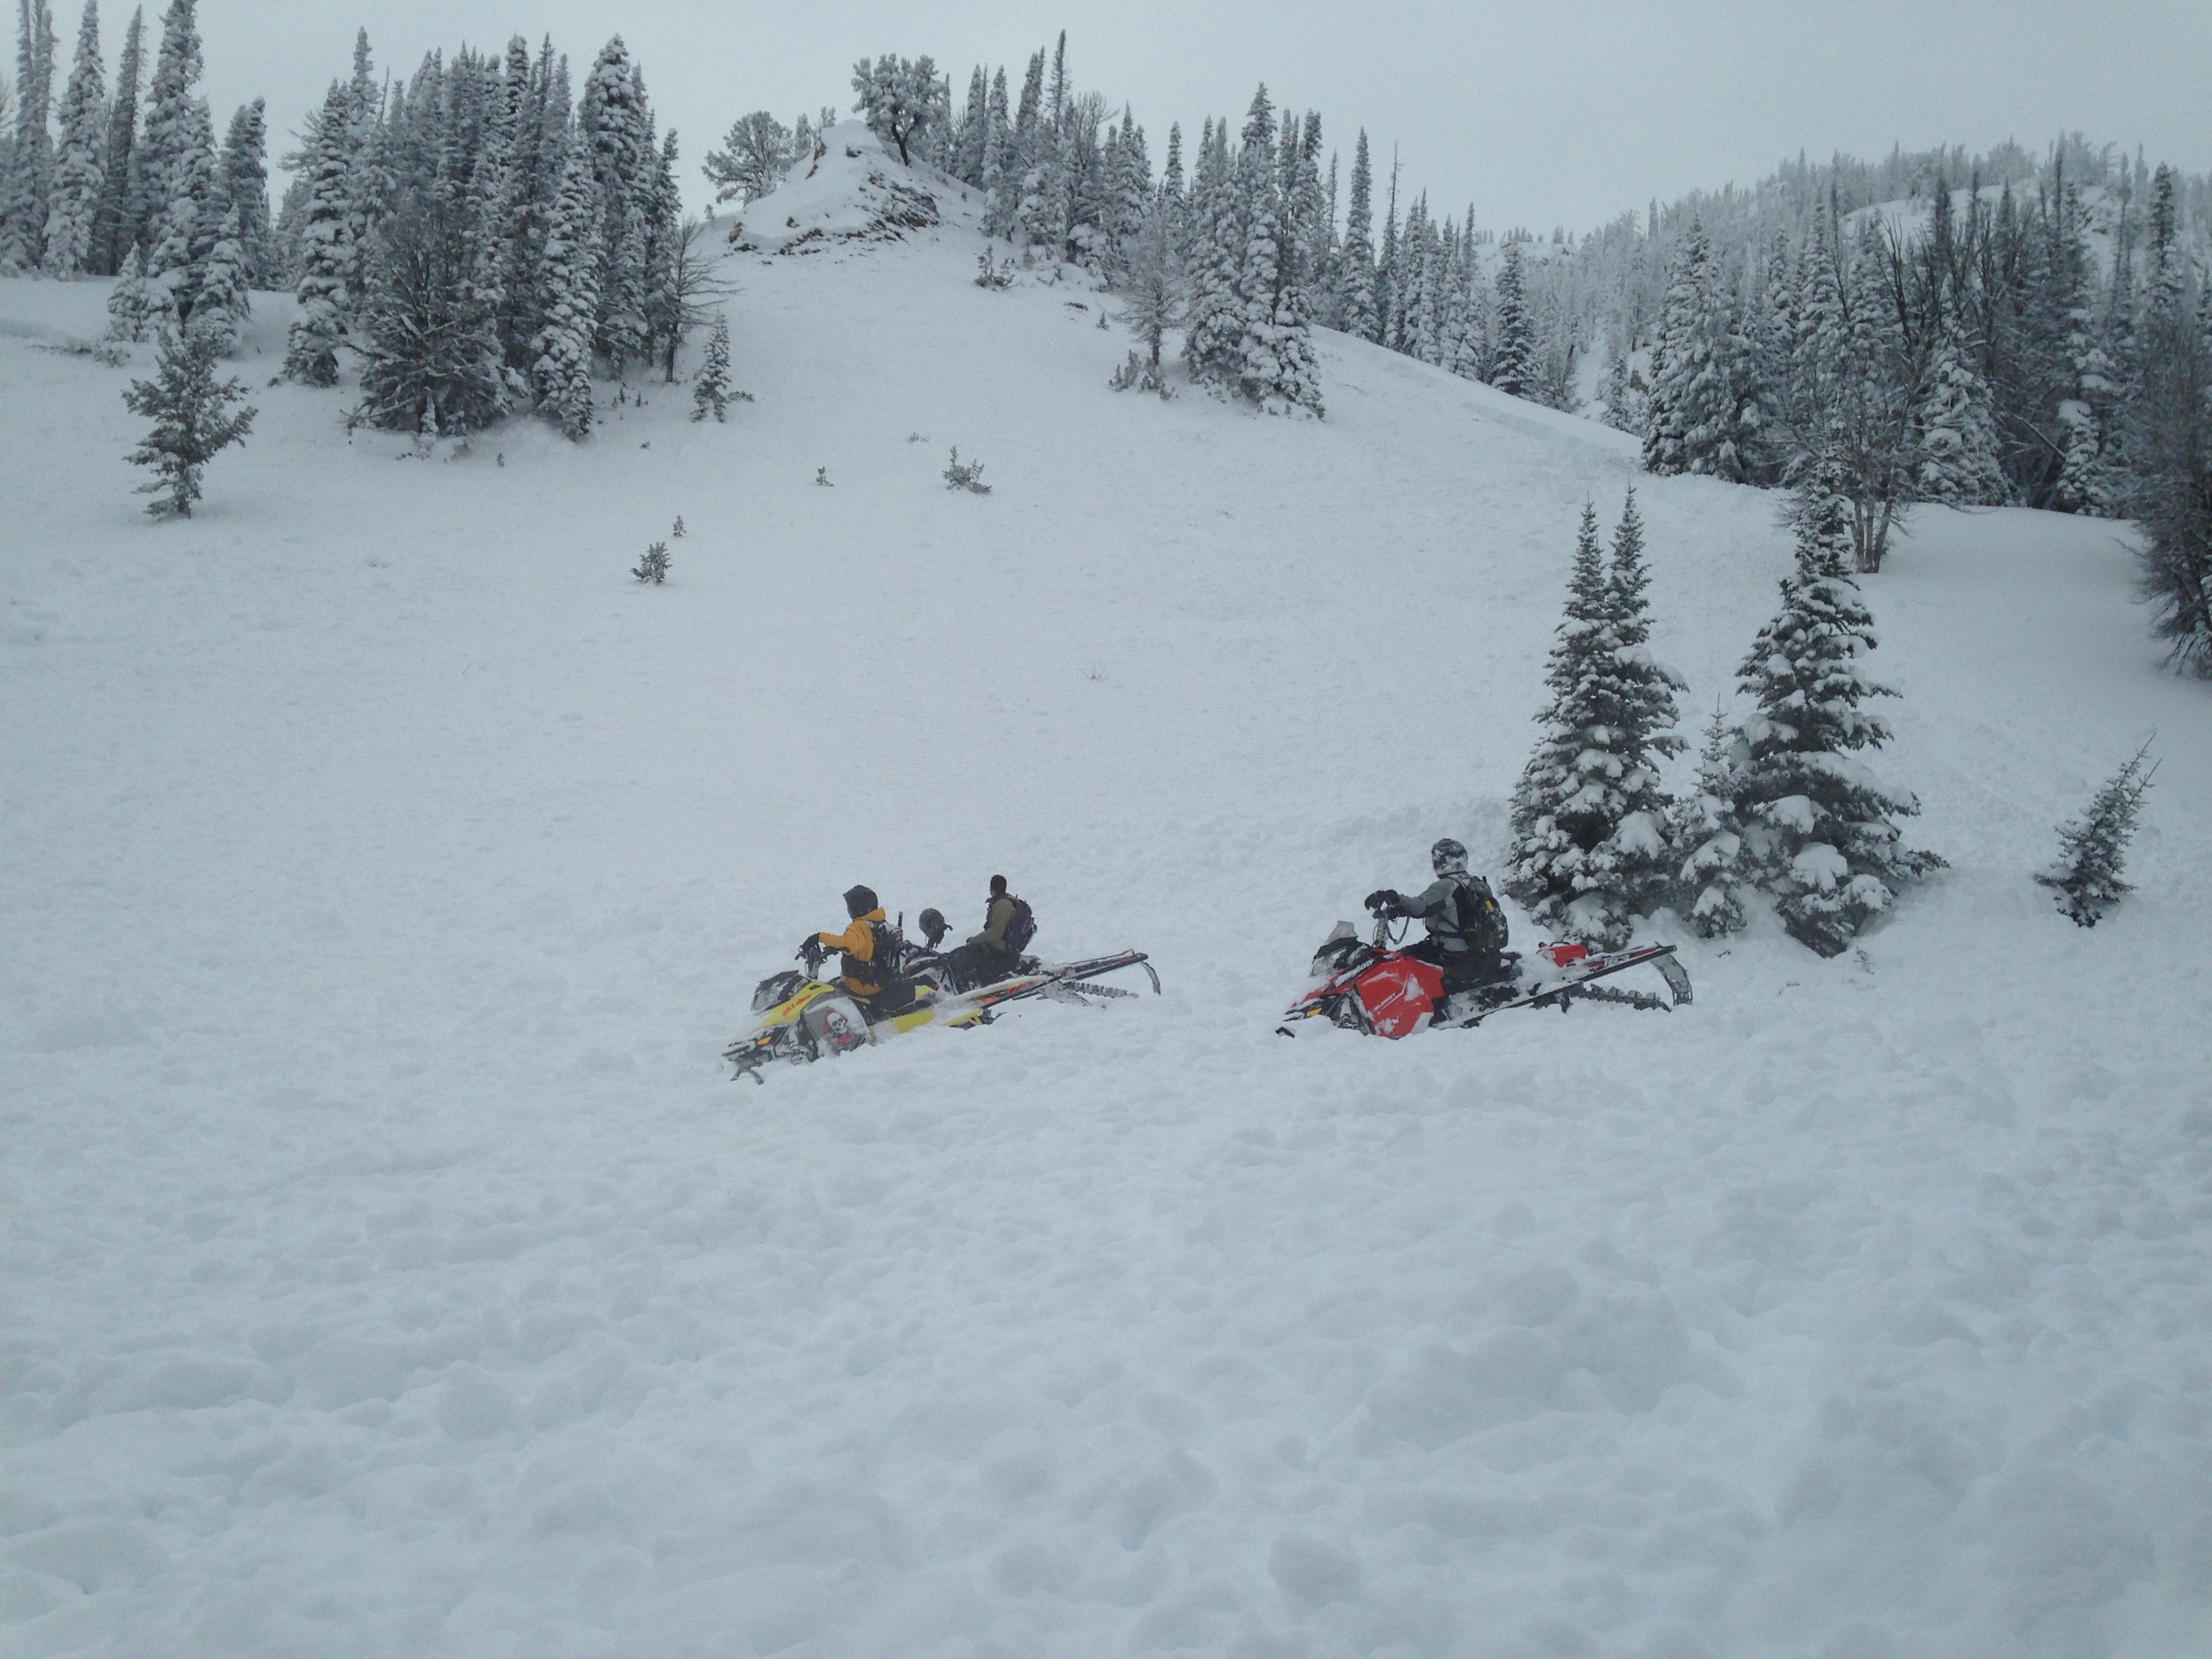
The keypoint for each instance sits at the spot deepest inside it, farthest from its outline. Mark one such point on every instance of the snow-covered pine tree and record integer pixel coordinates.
(1817, 827)
(192, 418)
(2169, 444)
(613, 128)
(131, 302)
(1634, 860)
(80, 164)
(898, 98)
(113, 235)
(1558, 813)
(1356, 302)
(710, 387)
(1514, 369)
(753, 159)
(1151, 286)
(245, 188)
(561, 375)
(28, 179)
(1958, 438)
(1591, 850)
(176, 130)
(222, 303)
(2093, 848)
(191, 214)
(1211, 343)
(311, 344)
(1707, 837)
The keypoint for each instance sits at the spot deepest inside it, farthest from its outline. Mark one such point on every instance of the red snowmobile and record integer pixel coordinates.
(1370, 986)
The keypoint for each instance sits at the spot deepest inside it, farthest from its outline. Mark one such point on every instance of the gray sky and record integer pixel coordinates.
(1541, 114)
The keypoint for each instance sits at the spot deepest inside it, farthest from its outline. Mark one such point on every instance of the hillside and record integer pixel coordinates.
(392, 1268)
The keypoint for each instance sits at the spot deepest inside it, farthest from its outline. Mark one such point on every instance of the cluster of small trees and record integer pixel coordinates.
(184, 224)
(485, 241)
(1984, 360)
(1780, 804)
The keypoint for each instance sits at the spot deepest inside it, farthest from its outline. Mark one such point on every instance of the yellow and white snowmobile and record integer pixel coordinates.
(805, 1018)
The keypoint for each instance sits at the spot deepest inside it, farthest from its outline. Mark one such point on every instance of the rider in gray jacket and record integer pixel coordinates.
(1467, 930)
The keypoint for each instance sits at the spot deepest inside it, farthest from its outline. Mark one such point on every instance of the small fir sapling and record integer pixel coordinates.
(653, 567)
(821, 477)
(191, 416)
(677, 534)
(993, 275)
(710, 388)
(968, 477)
(2091, 848)
(1704, 829)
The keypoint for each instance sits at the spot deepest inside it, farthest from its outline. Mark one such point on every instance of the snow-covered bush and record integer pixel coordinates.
(191, 416)
(2093, 847)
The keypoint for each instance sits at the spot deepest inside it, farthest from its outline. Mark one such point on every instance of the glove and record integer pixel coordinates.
(810, 948)
(1384, 899)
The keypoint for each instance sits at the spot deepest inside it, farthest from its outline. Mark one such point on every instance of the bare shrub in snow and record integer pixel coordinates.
(968, 476)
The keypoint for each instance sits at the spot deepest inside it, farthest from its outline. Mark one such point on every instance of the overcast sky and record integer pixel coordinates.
(1539, 113)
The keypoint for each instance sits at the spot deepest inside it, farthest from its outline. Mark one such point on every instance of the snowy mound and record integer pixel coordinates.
(855, 191)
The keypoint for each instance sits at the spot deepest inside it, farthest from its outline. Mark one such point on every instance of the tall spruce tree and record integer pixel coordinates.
(561, 376)
(1818, 829)
(113, 233)
(28, 179)
(1356, 305)
(245, 190)
(312, 343)
(1590, 849)
(1514, 370)
(80, 165)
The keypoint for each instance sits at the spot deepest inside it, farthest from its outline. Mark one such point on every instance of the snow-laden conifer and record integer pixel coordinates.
(1514, 368)
(176, 130)
(311, 344)
(1705, 414)
(755, 154)
(561, 375)
(192, 418)
(1959, 462)
(1708, 838)
(244, 168)
(710, 386)
(1817, 826)
(1590, 848)
(80, 163)
(132, 302)
(430, 358)
(2093, 848)
(222, 301)
(113, 233)
(27, 166)
(1212, 341)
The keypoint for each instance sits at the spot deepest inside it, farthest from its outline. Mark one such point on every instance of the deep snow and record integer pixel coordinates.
(391, 1268)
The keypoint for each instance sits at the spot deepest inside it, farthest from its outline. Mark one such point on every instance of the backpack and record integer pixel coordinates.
(1022, 927)
(889, 952)
(1481, 923)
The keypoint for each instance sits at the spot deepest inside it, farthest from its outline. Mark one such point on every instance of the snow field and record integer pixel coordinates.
(391, 1267)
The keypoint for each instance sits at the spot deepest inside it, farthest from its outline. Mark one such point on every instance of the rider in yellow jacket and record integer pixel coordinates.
(857, 944)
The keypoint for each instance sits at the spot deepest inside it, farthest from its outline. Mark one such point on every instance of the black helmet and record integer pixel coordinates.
(934, 926)
(1448, 857)
(858, 900)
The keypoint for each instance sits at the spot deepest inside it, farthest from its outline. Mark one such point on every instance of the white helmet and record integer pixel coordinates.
(1448, 857)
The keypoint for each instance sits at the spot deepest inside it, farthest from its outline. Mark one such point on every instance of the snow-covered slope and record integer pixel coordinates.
(391, 1270)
